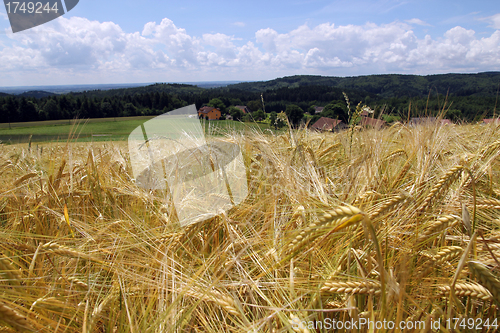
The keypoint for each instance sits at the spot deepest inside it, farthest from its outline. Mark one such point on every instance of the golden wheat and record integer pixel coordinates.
(363, 287)
(486, 278)
(294, 244)
(435, 227)
(442, 186)
(14, 318)
(468, 289)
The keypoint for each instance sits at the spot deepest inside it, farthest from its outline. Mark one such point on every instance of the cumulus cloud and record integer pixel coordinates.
(184, 48)
(86, 48)
(77, 43)
(380, 48)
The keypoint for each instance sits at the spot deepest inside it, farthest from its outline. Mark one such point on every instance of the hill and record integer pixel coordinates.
(390, 85)
(471, 97)
(169, 88)
(36, 94)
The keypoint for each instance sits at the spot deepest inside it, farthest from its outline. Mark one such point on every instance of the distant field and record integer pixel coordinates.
(100, 129)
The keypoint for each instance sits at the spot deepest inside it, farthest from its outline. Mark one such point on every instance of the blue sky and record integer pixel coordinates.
(165, 41)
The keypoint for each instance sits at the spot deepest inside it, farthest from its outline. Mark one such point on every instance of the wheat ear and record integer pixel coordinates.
(9, 271)
(395, 153)
(488, 204)
(14, 318)
(388, 204)
(442, 185)
(226, 302)
(486, 278)
(442, 223)
(68, 252)
(25, 177)
(402, 173)
(468, 289)
(444, 254)
(491, 148)
(338, 215)
(351, 287)
(77, 282)
(99, 309)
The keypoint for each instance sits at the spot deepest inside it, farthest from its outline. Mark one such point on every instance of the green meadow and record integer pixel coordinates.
(101, 129)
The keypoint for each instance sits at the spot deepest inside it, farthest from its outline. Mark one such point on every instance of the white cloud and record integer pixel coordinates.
(239, 24)
(418, 22)
(494, 21)
(4, 15)
(177, 42)
(76, 48)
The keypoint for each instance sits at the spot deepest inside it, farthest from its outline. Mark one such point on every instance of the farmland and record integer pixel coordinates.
(398, 224)
(98, 129)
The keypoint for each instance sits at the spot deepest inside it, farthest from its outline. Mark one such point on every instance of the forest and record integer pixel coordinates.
(464, 97)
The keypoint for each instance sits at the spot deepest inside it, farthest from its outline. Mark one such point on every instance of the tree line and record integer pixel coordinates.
(160, 98)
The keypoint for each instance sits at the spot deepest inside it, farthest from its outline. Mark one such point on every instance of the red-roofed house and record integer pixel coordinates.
(244, 108)
(372, 122)
(491, 121)
(328, 124)
(209, 112)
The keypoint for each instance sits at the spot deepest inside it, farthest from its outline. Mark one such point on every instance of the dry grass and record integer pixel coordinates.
(334, 226)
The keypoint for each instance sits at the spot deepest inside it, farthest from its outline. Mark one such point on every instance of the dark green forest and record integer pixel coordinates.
(466, 97)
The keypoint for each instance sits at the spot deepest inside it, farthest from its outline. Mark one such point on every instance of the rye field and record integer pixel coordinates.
(399, 225)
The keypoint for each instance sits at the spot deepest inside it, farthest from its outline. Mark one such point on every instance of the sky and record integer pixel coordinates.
(147, 41)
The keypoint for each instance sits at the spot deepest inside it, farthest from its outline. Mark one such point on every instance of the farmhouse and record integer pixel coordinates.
(422, 121)
(491, 121)
(244, 108)
(372, 122)
(429, 120)
(209, 112)
(328, 124)
(318, 109)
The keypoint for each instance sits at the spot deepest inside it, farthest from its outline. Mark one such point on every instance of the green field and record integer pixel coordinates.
(102, 129)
